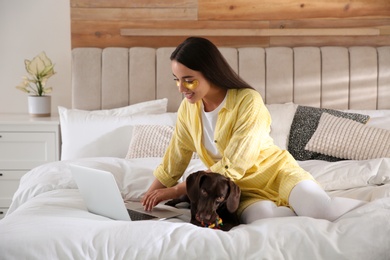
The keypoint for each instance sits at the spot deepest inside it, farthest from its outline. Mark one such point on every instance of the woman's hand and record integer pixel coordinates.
(158, 192)
(152, 198)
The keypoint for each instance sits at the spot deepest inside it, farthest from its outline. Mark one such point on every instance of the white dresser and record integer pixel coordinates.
(25, 142)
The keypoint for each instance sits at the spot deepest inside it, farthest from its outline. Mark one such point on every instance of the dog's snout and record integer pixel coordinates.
(206, 217)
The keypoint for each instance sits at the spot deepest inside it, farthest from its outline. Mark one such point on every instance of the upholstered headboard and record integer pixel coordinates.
(332, 77)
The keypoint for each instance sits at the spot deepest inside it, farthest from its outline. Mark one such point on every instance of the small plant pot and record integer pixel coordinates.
(39, 106)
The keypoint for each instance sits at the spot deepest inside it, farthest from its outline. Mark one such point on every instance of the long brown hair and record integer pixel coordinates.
(201, 55)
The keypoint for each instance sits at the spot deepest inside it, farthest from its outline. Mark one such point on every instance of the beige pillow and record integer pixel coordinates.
(348, 139)
(149, 141)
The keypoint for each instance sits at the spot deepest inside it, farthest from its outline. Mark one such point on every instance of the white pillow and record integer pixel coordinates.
(108, 132)
(378, 118)
(348, 139)
(371, 113)
(157, 106)
(379, 122)
(282, 116)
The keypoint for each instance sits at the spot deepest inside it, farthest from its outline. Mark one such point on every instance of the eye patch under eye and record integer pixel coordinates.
(193, 84)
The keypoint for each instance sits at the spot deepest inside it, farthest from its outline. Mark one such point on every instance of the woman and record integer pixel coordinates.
(225, 121)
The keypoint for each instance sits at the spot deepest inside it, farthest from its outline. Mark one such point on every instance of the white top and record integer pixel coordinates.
(209, 121)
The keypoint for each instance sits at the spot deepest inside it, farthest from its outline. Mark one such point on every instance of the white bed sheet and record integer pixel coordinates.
(48, 220)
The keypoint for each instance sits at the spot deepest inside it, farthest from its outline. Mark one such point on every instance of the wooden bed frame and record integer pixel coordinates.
(331, 77)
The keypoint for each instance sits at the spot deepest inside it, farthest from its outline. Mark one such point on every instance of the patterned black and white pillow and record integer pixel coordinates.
(304, 125)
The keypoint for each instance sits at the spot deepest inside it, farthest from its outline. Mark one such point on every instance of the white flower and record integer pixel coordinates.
(40, 69)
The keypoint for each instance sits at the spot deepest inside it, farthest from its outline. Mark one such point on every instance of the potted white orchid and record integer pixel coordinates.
(40, 69)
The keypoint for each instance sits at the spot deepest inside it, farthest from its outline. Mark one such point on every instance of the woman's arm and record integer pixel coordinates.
(157, 192)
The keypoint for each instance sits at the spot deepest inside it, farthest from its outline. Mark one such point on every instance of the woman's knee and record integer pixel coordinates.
(264, 209)
(309, 199)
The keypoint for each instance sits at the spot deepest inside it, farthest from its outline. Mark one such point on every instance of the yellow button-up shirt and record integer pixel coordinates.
(249, 156)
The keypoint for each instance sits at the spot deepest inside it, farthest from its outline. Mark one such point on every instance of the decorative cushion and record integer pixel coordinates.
(149, 141)
(348, 139)
(305, 123)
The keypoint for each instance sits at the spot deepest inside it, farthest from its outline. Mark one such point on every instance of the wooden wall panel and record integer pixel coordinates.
(133, 14)
(276, 10)
(330, 41)
(331, 23)
(98, 23)
(133, 3)
(107, 33)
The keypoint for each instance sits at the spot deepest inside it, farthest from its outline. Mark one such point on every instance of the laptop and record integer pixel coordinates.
(102, 197)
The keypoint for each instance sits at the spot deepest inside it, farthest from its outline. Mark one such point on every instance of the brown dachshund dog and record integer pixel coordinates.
(213, 199)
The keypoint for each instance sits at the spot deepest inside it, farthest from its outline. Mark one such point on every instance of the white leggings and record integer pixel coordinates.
(307, 198)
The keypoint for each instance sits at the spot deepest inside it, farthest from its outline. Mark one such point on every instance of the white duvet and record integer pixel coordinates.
(48, 220)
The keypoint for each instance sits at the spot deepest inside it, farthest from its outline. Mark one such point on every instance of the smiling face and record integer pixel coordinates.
(190, 83)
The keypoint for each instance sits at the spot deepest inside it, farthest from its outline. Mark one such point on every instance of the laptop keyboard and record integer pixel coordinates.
(135, 215)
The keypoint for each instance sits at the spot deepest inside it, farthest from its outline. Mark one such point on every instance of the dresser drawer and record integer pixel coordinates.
(26, 150)
(9, 183)
(25, 143)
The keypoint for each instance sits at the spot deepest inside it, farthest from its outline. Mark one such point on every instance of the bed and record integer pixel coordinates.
(123, 114)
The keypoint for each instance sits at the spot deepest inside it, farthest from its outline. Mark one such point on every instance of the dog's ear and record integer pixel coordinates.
(193, 182)
(233, 200)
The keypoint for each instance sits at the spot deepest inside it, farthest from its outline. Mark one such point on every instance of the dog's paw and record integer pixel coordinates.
(173, 202)
(178, 203)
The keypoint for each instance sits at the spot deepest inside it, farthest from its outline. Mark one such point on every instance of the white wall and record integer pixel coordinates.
(28, 27)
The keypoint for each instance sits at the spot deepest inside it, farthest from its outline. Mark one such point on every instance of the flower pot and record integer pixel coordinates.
(39, 106)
